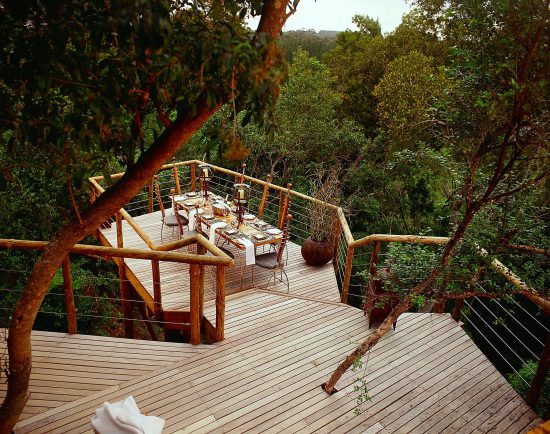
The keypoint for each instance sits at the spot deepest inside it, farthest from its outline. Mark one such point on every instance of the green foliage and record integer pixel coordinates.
(522, 380)
(360, 387)
(316, 44)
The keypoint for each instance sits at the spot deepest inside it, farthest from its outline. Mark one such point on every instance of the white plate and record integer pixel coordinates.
(208, 216)
(259, 236)
(249, 217)
(221, 226)
(274, 231)
(191, 194)
(189, 203)
(231, 231)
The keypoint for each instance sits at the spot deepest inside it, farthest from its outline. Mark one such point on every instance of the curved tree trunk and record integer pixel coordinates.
(19, 344)
(403, 306)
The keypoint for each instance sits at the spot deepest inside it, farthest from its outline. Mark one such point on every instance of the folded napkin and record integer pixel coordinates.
(191, 218)
(213, 228)
(124, 417)
(250, 251)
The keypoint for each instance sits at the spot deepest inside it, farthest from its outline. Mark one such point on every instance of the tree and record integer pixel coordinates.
(78, 79)
(496, 123)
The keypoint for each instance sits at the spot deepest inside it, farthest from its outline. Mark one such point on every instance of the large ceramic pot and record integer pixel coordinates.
(317, 253)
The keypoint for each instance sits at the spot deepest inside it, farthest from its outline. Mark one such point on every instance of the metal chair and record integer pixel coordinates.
(274, 260)
(169, 220)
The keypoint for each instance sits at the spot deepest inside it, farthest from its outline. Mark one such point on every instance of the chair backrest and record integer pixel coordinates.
(198, 221)
(284, 239)
(159, 199)
(174, 208)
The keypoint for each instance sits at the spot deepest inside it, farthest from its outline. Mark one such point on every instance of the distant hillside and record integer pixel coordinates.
(316, 43)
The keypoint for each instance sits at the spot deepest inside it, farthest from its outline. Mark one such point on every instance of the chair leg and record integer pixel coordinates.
(161, 229)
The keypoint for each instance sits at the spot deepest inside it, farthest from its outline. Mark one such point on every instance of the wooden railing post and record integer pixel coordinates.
(201, 250)
(220, 302)
(285, 207)
(176, 176)
(336, 229)
(264, 197)
(457, 312)
(193, 176)
(125, 289)
(347, 274)
(151, 195)
(373, 271)
(157, 296)
(69, 296)
(195, 318)
(533, 394)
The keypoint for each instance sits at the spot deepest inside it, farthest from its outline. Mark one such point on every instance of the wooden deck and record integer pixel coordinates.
(305, 281)
(426, 376)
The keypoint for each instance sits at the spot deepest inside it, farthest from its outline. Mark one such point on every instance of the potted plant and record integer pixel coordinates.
(318, 248)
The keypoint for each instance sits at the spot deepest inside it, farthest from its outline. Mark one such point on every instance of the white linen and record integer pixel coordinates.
(212, 236)
(191, 218)
(124, 417)
(250, 257)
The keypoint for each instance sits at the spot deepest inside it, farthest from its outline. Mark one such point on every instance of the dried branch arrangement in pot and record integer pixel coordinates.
(325, 187)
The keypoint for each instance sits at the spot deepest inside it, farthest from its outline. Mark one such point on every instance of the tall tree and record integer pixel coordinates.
(78, 79)
(497, 123)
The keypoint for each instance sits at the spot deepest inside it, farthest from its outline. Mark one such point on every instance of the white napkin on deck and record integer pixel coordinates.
(250, 251)
(124, 417)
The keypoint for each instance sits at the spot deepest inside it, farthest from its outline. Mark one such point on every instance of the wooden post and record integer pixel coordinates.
(220, 302)
(151, 193)
(201, 250)
(264, 197)
(69, 296)
(347, 275)
(176, 176)
(281, 206)
(533, 394)
(336, 229)
(125, 289)
(242, 174)
(373, 271)
(194, 274)
(285, 206)
(157, 296)
(193, 176)
(457, 313)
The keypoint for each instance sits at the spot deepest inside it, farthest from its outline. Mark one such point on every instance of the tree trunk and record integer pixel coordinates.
(106, 205)
(533, 394)
(403, 306)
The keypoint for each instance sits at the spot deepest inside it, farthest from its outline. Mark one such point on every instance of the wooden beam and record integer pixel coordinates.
(125, 289)
(533, 394)
(285, 207)
(151, 194)
(220, 303)
(264, 197)
(176, 176)
(112, 252)
(201, 250)
(373, 271)
(347, 275)
(193, 176)
(194, 274)
(345, 226)
(157, 295)
(457, 312)
(69, 296)
(387, 238)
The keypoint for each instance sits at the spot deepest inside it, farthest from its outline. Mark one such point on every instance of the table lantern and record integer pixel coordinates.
(205, 175)
(241, 196)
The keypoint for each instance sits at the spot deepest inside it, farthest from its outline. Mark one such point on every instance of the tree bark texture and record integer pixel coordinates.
(106, 205)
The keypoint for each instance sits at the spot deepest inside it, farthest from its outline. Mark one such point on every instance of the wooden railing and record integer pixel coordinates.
(346, 245)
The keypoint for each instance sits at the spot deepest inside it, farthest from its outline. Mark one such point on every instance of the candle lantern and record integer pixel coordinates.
(241, 196)
(205, 175)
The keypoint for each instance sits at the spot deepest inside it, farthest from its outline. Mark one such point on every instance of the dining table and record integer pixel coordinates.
(250, 234)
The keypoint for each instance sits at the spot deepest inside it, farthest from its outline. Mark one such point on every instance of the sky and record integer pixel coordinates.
(337, 14)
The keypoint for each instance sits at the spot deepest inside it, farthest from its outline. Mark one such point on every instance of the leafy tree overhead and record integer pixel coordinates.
(79, 79)
(493, 120)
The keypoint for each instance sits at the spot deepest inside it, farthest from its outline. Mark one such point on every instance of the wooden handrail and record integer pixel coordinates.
(113, 252)
(388, 238)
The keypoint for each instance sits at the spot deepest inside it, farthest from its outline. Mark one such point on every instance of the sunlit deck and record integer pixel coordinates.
(305, 281)
(426, 376)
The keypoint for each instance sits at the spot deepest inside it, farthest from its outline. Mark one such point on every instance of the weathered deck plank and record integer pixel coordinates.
(266, 377)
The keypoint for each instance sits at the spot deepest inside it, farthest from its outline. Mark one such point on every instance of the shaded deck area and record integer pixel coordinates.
(305, 281)
(426, 376)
